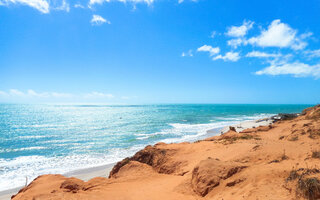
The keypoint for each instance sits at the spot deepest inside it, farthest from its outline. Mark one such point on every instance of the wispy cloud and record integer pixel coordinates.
(40, 5)
(229, 56)
(78, 5)
(63, 7)
(32, 95)
(240, 31)
(312, 53)
(207, 48)
(259, 54)
(98, 20)
(181, 1)
(188, 53)
(99, 95)
(93, 2)
(213, 34)
(235, 43)
(297, 69)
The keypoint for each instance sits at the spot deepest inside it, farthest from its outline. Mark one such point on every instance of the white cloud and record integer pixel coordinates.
(92, 2)
(306, 35)
(61, 95)
(2, 93)
(33, 94)
(313, 53)
(213, 34)
(259, 54)
(230, 56)
(41, 5)
(297, 69)
(78, 5)
(279, 35)
(240, 31)
(98, 20)
(237, 42)
(48, 96)
(189, 53)
(15, 92)
(64, 6)
(210, 49)
(181, 1)
(98, 95)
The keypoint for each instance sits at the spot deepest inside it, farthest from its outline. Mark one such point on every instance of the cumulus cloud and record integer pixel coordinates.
(297, 69)
(259, 54)
(240, 31)
(98, 20)
(279, 35)
(230, 56)
(207, 48)
(289, 56)
(40, 5)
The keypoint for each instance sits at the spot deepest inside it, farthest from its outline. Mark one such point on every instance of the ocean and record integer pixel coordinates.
(42, 139)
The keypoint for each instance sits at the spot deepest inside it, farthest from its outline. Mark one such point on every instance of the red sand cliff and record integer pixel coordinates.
(281, 161)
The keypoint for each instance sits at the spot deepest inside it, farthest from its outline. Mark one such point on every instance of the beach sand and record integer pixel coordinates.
(83, 174)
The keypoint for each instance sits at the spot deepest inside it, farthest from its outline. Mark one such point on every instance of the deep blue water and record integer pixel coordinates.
(41, 139)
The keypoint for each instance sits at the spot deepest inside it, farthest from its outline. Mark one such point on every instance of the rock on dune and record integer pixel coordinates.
(150, 155)
(73, 185)
(134, 169)
(312, 112)
(157, 158)
(209, 173)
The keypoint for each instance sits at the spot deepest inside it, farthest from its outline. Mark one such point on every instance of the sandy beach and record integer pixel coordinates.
(276, 160)
(83, 174)
(103, 171)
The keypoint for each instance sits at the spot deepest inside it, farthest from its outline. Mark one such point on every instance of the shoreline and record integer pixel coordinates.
(88, 173)
(83, 174)
(104, 170)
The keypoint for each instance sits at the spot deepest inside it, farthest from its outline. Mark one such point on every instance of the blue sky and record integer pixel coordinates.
(158, 51)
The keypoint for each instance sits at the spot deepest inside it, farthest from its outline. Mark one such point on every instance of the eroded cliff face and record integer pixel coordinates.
(280, 161)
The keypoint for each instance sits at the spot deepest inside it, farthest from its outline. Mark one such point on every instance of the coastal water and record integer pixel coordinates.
(42, 139)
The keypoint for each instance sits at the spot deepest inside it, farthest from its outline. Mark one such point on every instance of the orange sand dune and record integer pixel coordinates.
(280, 161)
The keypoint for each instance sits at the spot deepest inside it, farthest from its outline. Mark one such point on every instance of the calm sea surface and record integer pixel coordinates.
(42, 139)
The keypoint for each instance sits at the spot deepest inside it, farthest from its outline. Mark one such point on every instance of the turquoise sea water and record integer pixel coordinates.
(42, 139)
